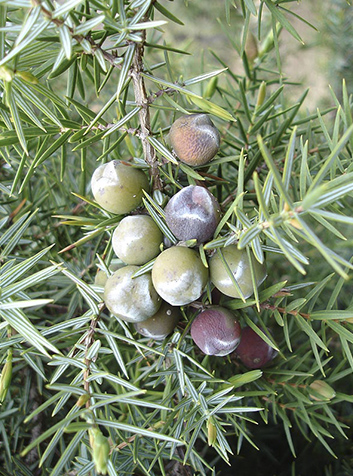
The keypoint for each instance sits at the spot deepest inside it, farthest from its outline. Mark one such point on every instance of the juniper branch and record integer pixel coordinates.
(141, 100)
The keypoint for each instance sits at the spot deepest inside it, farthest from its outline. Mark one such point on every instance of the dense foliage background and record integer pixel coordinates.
(87, 81)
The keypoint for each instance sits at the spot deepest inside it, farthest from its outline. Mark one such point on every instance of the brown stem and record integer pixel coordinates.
(176, 468)
(141, 97)
(141, 100)
(294, 385)
(110, 57)
(283, 310)
(89, 340)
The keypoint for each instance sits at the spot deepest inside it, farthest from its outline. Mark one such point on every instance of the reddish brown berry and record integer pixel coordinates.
(253, 351)
(216, 331)
(195, 139)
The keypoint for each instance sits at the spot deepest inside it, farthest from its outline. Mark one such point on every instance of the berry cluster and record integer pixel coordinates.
(152, 300)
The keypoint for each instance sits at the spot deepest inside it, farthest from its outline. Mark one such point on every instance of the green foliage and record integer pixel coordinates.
(337, 35)
(85, 82)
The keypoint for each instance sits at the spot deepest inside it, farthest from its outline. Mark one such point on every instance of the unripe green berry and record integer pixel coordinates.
(118, 188)
(131, 299)
(179, 275)
(239, 265)
(137, 239)
(195, 139)
(160, 324)
(101, 276)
